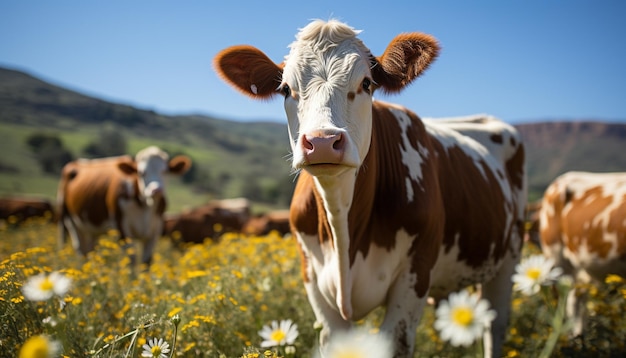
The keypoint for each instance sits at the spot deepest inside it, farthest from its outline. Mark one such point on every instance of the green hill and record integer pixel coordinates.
(230, 158)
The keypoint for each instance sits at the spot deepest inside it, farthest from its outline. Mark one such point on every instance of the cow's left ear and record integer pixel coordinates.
(405, 59)
(179, 164)
(127, 166)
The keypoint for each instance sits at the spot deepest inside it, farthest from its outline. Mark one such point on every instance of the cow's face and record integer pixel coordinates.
(328, 86)
(327, 81)
(150, 165)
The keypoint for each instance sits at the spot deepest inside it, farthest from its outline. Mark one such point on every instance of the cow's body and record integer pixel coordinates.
(265, 223)
(119, 193)
(208, 221)
(18, 209)
(582, 226)
(388, 209)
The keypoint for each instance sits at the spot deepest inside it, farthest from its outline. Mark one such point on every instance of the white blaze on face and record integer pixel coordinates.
(322, 79)
(151, 164)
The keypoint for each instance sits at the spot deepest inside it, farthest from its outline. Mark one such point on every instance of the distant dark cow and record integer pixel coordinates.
(15, 210)
(263, 224)
(388, 209)
(116, 193)
(208, 221)
(582, 226)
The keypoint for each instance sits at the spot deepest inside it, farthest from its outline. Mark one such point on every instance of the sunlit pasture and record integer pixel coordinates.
(212, 300)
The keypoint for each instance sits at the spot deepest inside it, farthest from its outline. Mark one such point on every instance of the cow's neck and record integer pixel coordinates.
(337, 194)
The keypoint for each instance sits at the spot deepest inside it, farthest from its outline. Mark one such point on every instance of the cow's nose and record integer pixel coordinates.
(154, 190)
(323, 148)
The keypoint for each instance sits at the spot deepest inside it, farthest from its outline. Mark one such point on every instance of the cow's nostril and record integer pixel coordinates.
(306, 143)
(338, 144)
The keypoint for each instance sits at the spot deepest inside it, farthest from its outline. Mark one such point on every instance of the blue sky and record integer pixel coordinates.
(520, 60)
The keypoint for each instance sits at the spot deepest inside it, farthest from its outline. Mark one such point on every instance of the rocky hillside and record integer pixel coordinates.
(558, 146)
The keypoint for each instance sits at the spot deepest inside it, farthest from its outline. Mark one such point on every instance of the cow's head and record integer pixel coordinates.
(328, 80)
(150, 164)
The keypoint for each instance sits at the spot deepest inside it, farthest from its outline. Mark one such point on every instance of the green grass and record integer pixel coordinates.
(224, 293)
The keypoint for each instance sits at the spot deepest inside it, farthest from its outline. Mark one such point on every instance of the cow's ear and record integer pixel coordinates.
(179, 164)
(127, 166)
(249, 70)
(405, 59)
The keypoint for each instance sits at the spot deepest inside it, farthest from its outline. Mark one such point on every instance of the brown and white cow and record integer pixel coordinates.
(582, 226)
(263, 224)
(209, 221)
(120, 193)
(16, 210)
(387, 209)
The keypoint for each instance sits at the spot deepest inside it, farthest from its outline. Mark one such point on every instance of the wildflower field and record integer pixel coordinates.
(214, 300)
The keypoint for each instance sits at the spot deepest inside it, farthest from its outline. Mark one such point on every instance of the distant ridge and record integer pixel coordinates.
(558, 146)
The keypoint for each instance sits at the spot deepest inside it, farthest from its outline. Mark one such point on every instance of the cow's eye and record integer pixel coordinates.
(367, 85)
(286, 90)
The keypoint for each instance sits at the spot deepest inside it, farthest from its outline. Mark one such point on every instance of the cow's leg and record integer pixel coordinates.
(83, 241)
(125, 241)
(575, 308)
(326, 316)
(498, 292)
(62, 234)
(404, 310)
(148, 250)
(576, 311)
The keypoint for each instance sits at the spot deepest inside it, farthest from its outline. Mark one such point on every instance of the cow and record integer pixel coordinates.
(119, 193)
(265, 223)
(15, 210)
(207, 221)
(388, 209)
(582, 227)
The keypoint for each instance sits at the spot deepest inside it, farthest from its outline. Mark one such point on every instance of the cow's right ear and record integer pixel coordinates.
(127, 167)
(179, 164)
(407, 56)
(249, 70)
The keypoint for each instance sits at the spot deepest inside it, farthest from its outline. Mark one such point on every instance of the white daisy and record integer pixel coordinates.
(42, 287)
(357, 344)
(279, 334)
(463, 318)
(534, 272)
(156, 348)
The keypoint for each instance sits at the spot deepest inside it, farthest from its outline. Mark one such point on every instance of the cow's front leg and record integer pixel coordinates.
(148, 250)
(404, 310)
(326, 315)
(498, 292)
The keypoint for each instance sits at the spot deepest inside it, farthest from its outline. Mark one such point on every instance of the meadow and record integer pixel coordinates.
(211, 300)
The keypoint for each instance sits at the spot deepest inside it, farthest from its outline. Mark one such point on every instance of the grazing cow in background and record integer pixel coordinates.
(263, 224)
(116, 193)
(388, 209)
(208, 221)
(15, 210)
(582, 226)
